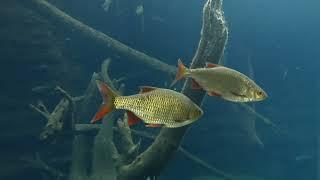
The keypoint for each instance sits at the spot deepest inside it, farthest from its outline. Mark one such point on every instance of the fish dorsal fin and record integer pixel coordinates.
(145, 89)
(211, 65)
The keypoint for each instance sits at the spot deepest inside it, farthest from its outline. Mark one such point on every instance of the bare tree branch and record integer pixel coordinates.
(211, 46)
(104, 40)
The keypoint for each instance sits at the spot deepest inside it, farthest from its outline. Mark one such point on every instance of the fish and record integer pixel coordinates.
(223, 82)
(157, 107)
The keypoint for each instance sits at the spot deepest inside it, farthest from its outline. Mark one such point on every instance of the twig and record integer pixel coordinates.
(259, 116)
(38, 163)
(55, 120)
(43, 113)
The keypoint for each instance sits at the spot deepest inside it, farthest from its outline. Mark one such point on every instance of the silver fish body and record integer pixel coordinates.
(227, 83)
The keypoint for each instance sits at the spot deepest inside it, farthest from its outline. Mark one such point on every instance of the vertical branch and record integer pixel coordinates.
(82, 144)
(211, 46)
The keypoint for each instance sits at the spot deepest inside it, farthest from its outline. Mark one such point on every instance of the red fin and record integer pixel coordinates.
(108, 96)
(144, 89)
(154, 125)
(132, 118)
(103, 110)
(213, 94)
(180, 73)
(195, 85)
(211, 65)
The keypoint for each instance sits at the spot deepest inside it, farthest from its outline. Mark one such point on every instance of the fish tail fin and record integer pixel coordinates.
(108, 96)
(182, 71)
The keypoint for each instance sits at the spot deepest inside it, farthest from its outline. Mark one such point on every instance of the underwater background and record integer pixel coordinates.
(276, 43)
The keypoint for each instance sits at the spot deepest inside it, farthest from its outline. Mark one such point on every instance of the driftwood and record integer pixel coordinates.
(128, 164)
(210, 50)
(212, 43)
(55, 120)
(260, 117)
(95, 128)
(37, 163)
(104, 40)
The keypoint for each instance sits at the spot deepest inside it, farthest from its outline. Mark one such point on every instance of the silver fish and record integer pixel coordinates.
(221, 81)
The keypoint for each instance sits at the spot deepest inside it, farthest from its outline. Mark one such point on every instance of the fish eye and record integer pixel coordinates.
(259, 93)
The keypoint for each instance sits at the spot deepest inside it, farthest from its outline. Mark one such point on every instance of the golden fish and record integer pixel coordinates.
(221, 81)
(155, 106)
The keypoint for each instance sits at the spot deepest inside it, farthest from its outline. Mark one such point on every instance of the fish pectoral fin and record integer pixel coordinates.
(132, 118)
(154, 125)
(145, 89)
(195, 85)
(237, 94)
(212, 93)
(211, 65)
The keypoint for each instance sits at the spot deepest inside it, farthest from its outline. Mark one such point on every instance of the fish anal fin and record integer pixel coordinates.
(212, 93)
(211, 65)
(132, 118)
(154, 125)
(145, 89)
(195, 85)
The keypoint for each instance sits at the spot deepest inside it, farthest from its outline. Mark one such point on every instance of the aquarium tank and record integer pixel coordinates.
(159, 90)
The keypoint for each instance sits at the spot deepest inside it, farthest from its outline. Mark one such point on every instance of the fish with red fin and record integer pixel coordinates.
(223, 82)
(157, 107)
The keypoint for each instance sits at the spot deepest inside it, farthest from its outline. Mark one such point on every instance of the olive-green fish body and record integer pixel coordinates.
(161, 106)
(155, 106)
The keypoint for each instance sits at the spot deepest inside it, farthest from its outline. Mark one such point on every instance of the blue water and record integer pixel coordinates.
(280, 39)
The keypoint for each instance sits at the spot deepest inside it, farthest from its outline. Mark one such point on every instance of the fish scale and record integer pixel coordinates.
(157, 107)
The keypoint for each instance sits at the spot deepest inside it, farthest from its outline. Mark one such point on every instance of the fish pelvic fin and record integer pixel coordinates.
(132, 118)
(107, 106)
(181, 73)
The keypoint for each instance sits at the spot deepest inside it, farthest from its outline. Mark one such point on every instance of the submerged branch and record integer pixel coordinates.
(212, 43)
(38, 163)
(106, 41)
(94, 128)
(259, 116)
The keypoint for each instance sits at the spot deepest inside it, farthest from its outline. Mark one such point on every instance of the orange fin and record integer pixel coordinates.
(103, 110)
(195, 85)
(145, 89)
(213, 94)
(108, 96)
(154, 125)
(211, 65)
(132, 118)
(180, 73)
